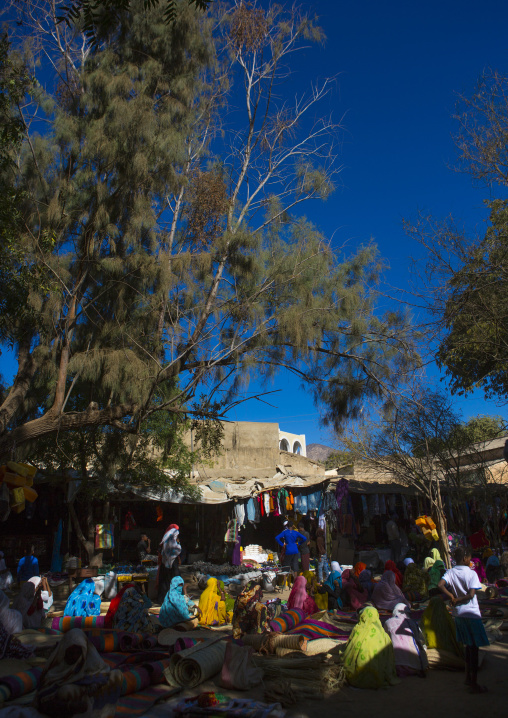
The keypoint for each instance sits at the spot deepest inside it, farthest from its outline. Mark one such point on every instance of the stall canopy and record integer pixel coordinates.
(219, 491)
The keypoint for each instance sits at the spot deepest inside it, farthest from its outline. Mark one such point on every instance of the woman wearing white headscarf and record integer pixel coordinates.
(34, 600)
(11, 620)
(408, 642)
(74, 674)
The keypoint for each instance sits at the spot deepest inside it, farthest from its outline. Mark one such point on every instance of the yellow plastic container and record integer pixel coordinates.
(14, 479)
(30, 494)
(31, 471)
(18, 508)
(435, 535)
(17, 496)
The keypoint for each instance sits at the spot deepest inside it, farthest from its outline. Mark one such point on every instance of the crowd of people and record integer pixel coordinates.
(376, 653)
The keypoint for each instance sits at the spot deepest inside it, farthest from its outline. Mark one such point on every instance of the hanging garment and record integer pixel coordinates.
(266, 500)
(313, 501)
(261, 504)
(382, 505)
(365, 510)
(341, 492)
(251, 510)
(231, 531)
(104, 536)
(240, 513)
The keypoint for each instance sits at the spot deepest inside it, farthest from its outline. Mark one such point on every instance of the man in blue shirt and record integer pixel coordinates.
(291, 539)
(28, 567)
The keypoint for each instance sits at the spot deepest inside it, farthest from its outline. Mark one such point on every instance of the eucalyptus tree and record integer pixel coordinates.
(163, 178)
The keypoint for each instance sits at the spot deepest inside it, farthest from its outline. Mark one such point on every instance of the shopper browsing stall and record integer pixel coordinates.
(291, 540)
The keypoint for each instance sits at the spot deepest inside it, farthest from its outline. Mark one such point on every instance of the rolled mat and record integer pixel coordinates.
(255, 640)
(108, 641)
(321, 645)
(181, 644)
(191, 667)
(280, 640)
(286, 652)
(318, 629)
(287, 620)
(67, 623)
(19, 684)
(137, 678)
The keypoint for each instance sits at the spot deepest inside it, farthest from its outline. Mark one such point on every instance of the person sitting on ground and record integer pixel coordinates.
(353, 593)
(290, 539)
(6, 579)
(368, 658)
(478, 567)
(386, 594)
(460, 585)
(415, 585)
(366, 582)
(74, 674)
(494, 569)
(228, 600)
(211, 605)
(299, 598)
(399, 578)
(33, 601)
(178, 609)
(28, 566)
(249, 614)
(430, 560)
(85, 600)
(333, 587)
(132, 612)
(11, 619)
(408, 643)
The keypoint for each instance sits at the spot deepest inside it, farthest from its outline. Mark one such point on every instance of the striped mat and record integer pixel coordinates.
(67, 623)
(287, 620)
(311, 629)
(19, 684)
(138, 703)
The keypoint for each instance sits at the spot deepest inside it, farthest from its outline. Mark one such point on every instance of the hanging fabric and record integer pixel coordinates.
(104, 536)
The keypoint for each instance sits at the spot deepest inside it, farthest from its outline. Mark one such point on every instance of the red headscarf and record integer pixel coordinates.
(113, 606)
(391, 566)
(172, 526)
(359, 567)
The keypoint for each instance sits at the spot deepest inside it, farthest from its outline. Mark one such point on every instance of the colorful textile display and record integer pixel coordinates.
(104, 536)
(287, 620)
(19, 684)
(67, 623)
(369, 660)
(108, 641)
(311, 629)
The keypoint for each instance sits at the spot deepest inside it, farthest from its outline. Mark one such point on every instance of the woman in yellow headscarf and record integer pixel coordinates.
(321, 599)
(213, 608)
(431, 560)
(369, 660)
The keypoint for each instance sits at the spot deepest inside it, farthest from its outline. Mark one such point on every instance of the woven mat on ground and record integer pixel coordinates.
(137, 678)
(312, 629)
(195, 665)
(106, 641)
(139, 703)
(287, 620)
(33, 637)
(19, 684)
(66, 623)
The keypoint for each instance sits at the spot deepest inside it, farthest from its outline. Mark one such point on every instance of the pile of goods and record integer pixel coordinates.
(16, 482)
(428, 528)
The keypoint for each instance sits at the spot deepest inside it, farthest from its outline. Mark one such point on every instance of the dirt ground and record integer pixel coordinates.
(441, 694)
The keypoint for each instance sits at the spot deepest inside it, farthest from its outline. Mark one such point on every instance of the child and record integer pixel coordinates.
(460, 585)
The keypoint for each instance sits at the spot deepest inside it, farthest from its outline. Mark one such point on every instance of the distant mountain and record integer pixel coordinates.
(318, 452)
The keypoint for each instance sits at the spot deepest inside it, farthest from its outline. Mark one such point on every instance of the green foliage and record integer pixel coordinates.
(175, 250)
(99, 19)
(339, 458)
(474, 349)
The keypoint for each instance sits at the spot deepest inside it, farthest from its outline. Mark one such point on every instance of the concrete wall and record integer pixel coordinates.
(293, 442)
(250, 449)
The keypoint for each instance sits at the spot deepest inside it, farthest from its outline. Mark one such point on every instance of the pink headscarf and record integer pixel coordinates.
(299, 598)
(387, 594)
(477, 566)
(358, 595)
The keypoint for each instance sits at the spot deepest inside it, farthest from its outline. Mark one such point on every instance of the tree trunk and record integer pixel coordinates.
(442, 529)
(50, 423)
(94, 559)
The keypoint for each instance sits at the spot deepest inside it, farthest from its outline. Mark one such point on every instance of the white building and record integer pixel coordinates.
(294, 443)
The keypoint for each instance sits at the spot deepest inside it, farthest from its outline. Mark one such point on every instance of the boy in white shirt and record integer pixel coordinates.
(460, 585)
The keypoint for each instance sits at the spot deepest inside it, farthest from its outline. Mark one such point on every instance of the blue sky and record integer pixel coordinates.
(399, 68)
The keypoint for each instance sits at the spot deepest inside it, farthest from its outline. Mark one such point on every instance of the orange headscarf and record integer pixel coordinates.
(359, 567)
